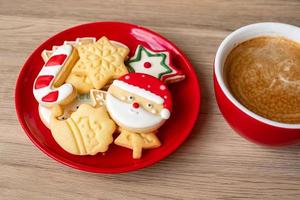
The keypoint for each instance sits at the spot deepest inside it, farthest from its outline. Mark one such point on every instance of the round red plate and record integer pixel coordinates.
(186, 97)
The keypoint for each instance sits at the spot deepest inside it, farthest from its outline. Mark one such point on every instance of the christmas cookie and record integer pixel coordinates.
(155, 63)
(45, 112)
(49, 87)
(87, 131)
(139, 104)
(95, 98)
(137, 141)
(79, 41)
(98, 64)
(46, 54)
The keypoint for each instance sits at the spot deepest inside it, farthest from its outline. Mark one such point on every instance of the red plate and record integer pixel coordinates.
(186, 97)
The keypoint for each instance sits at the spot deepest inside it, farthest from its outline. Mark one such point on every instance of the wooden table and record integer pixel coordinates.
(214, 162)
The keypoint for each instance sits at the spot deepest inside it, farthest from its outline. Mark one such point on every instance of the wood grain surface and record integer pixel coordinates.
(214, 162)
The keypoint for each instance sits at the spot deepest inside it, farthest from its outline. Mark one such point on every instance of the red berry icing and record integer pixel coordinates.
(51, 97)
(147, 64)
(56, 60)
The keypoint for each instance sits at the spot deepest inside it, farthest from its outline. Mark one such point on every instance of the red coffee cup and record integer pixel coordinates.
(245, 122)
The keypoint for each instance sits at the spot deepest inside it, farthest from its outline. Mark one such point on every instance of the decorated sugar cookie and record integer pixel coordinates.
(82, 116)
(99, 63)
(49, 88)
(83, 127)
(95, 98)
(157, 64)
(139, 104)
(46, 54)
(87, 131)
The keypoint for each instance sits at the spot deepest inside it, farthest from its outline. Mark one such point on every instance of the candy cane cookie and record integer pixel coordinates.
(49, 87)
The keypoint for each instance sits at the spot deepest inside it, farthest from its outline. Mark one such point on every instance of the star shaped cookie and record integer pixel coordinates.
(98, 64)
(155, 63)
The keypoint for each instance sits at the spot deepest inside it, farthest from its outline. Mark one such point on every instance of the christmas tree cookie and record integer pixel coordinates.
(155, 63)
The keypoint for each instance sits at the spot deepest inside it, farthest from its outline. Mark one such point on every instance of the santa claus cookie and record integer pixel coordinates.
(155, 63)
(139, 104)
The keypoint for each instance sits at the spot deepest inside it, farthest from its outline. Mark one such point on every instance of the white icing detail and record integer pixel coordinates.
(153, 111)
(143, 76)
(127, 77)
(64, 49)
(148, 86)
(138, 91)
(54, 48)
(130, 98)
(64, 90)
(53, 70)
(165, 97)
(125, 115)
(45, 114)
(155, 70)
(162, 87)
(165, 113)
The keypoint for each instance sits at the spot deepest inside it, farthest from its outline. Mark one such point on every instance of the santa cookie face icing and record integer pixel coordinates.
(139, 102)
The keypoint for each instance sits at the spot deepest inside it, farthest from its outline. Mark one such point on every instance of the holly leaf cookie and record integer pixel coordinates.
(98, 64)
(155, 63)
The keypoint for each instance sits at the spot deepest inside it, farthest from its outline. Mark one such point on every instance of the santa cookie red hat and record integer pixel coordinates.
(149, 88)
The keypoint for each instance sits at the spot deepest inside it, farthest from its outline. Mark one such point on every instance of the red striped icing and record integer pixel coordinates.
(51, 97)
(56, 60)
(43, 81)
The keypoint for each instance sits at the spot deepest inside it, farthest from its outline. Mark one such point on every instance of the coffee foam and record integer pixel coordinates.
(264, 75)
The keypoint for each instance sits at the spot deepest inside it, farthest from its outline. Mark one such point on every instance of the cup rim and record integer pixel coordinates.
(218, 72)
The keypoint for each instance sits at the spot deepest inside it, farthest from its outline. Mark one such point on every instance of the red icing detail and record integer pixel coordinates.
(147, 65)
(51, 97)
(143, 80)
(135, 105)
(43, 81)
(56, 60)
